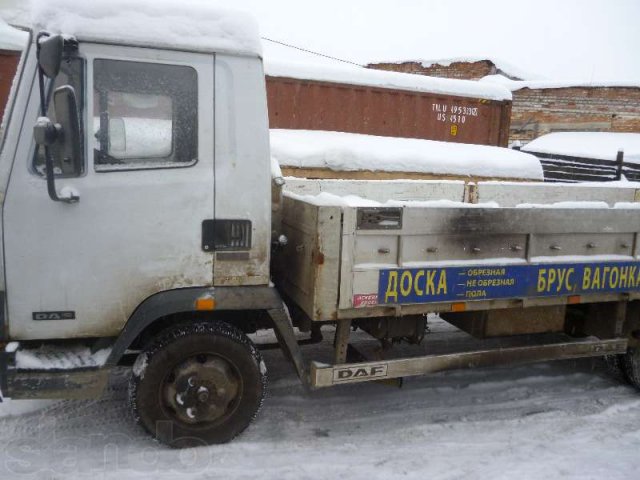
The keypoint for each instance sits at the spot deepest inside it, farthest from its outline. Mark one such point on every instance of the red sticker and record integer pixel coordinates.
(364, 300)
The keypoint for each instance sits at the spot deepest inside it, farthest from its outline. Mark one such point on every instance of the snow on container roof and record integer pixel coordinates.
(12, 38)
(515, 85)
(356, 152)
(383, 79)
(597, 145)
(186, 25)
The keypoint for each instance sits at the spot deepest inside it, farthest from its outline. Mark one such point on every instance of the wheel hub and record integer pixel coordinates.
(201, 389)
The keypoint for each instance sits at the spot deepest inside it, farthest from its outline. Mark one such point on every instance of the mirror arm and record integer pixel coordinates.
(43, 106)
(51, 181)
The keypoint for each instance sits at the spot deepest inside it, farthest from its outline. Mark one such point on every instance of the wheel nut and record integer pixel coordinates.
(203, 394)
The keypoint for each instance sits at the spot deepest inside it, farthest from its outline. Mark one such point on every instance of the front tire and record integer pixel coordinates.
(197, 384)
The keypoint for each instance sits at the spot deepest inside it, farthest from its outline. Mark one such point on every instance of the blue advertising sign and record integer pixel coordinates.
(442, 284)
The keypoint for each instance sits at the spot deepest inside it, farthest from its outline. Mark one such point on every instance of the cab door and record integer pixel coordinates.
(81, 269)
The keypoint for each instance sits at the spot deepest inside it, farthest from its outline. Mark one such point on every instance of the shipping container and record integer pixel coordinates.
(387, 104)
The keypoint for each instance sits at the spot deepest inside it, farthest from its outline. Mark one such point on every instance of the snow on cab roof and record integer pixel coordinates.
(356, 152)
(12, 38)
(598, 145)
(183, 25)
(383, 79)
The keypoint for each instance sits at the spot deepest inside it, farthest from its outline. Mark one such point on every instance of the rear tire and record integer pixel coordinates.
(631, 365)
(197, 384)
(616, 368)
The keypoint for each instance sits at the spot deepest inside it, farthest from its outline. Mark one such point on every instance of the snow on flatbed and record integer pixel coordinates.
(340, 151)
(566, 420)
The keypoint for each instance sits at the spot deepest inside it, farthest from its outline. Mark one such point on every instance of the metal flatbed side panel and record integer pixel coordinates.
(448, 255)
(512, 194)
(381, 190)
(492, 221)
(307, 268)
(323, 375)
(431, 258)
(476, 305)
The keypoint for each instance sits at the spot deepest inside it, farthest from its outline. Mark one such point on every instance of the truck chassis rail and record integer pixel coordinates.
(324, 375)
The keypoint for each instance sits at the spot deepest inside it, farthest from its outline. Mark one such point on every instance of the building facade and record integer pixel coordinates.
(539, 108)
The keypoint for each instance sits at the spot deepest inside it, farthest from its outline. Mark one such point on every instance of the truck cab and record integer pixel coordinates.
(169, 184)
(144, 192)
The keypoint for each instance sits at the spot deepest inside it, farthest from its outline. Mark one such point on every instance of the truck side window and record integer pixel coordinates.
(145, 115)
(71, 73)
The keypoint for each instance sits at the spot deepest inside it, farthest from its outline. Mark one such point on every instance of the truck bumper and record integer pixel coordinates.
(78, 383)
(7, 361)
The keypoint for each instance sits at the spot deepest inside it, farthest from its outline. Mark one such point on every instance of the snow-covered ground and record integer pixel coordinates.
(560, 420)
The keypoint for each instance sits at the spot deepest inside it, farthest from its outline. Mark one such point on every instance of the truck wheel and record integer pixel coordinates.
(615, 366)
(197, 384)
(631, 363)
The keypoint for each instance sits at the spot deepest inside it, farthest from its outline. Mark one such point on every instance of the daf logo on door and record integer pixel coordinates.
(363, 372)
(66, 315)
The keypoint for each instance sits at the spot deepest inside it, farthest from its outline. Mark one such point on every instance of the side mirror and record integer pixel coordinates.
(63, 139)
(50, 50)
(69, 141)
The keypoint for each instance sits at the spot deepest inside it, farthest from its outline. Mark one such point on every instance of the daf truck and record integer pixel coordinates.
(141, 228)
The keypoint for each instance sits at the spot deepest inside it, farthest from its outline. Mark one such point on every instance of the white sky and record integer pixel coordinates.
(561, 39)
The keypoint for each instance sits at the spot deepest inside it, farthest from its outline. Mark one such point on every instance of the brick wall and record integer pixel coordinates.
(8, 64)
(606, 109)
(460, 70)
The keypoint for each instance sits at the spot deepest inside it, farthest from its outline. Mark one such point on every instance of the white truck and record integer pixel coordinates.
(137, 230)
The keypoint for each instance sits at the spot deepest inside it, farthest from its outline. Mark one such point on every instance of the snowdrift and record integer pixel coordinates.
(309, 153)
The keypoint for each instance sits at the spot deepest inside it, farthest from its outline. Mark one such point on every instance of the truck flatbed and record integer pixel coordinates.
(351, 256)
